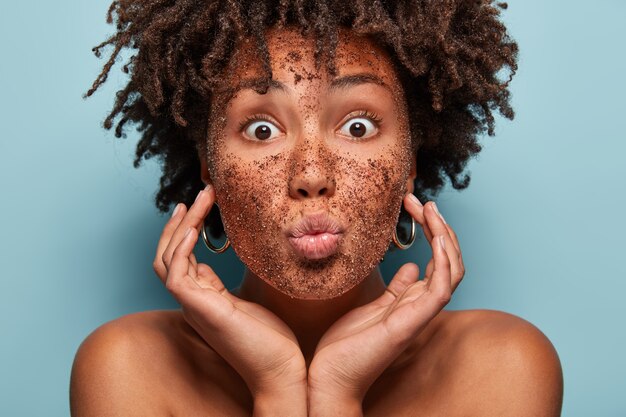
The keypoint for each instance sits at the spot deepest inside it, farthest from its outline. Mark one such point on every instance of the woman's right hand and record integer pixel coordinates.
(253, 340)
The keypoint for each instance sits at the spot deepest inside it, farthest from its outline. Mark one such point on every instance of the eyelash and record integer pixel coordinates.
(254, 118)
(261, 117)
(368, 114)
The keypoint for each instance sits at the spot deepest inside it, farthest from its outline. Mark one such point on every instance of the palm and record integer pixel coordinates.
(371, 318)
(251, 313)
(362, 344)
(250, 337)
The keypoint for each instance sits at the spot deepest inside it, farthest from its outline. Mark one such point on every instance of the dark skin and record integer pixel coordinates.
(373, 350)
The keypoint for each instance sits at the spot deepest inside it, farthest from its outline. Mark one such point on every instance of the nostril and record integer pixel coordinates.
(323, 191)
(302, 192)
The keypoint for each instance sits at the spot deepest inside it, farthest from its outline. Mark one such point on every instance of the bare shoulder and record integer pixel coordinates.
(511, 366)
(112, 368)
(136, 365)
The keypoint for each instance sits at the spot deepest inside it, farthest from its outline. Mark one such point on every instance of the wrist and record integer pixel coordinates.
(287, 402)
(324, 404)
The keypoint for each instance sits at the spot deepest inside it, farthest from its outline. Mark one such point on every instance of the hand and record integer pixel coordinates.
(364, 342)
(254, 341)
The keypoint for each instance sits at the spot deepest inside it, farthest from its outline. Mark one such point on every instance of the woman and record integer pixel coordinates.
(311, 125)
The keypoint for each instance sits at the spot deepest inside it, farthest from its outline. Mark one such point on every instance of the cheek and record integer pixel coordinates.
(248, 186)
(251, 197)
(373, 193)
(374, 188)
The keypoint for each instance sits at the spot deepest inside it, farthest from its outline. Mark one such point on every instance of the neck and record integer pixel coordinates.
(309, 319)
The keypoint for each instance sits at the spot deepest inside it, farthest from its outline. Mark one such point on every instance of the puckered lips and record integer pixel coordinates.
(316, 236)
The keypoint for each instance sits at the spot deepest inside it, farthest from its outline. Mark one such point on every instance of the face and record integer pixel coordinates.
(310, 175)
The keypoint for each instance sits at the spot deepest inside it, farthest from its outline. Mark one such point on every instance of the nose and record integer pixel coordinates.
(312, 173)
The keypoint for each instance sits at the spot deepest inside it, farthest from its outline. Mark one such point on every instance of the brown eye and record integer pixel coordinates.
(261, 130)
(358, 127)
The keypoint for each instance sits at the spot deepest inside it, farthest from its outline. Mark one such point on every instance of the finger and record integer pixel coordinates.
(461, 272)
(416, 210)
(192, 269)
(207, 278)
(439, 227)
(166, 235)
(407, 274)
(440, 286)
(455, 239)
(461, 269)
(194, 218)
(177, 279)
(429, 270)
(435, 220)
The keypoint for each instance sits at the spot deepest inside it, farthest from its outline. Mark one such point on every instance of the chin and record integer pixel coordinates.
(320, 279)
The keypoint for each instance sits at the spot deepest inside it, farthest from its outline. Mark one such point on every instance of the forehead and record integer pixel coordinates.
(292, 59)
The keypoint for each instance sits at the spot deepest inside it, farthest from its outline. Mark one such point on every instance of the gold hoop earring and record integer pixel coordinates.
(210, 246)
(408, 244)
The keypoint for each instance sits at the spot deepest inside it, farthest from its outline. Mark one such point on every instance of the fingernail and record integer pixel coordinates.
(208, 187)
(198, 196)
(414, 199)
(442, 242)
(439, 214)
(176, 209)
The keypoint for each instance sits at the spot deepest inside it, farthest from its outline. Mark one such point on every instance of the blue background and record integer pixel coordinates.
(541, 226)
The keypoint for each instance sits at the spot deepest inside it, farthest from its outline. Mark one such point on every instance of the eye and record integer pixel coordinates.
(260, 129)
(362, 126)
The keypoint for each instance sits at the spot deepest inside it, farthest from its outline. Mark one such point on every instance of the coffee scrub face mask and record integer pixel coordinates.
(310, 174)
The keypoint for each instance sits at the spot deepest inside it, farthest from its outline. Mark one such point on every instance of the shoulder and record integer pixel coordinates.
(117, 366)
(123, 340)
(511, 366)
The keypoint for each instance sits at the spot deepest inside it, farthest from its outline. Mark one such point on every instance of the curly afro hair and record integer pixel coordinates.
(454, 59)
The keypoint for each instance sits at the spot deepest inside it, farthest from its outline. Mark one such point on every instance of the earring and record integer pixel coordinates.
(408, 244)
(210, 246)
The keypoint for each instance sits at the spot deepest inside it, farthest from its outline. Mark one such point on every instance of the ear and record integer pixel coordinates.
(410, 181)
(204, 171)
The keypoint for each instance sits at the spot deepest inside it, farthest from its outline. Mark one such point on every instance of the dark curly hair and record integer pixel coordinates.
(454, 59)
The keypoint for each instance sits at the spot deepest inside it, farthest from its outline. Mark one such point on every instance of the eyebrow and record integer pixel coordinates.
(338, 83)
(353, 80)
(257, 84)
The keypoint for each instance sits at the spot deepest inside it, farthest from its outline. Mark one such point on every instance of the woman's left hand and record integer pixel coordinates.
(364, 342)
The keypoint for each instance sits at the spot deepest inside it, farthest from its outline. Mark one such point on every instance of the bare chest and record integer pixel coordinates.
(410, 393)
(430, 387)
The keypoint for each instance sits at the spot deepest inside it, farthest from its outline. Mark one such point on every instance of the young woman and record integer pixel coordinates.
(310, 125)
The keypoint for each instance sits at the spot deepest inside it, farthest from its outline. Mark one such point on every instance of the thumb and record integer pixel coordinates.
(407, 274)
(207, 278)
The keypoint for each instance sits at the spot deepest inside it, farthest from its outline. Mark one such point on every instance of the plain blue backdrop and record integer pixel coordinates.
(541, 225)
